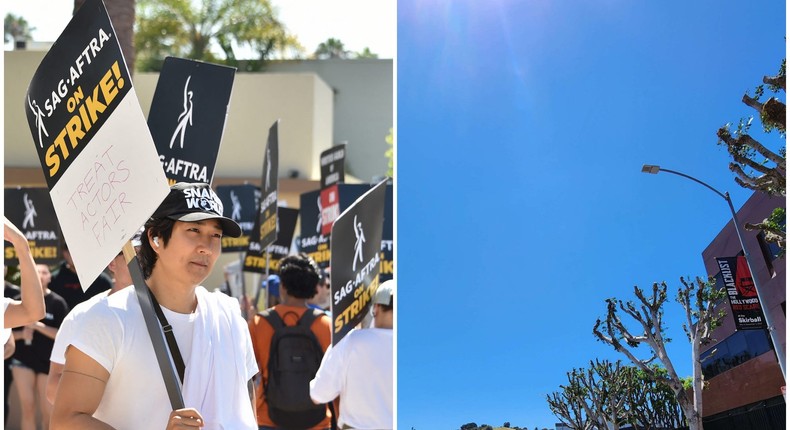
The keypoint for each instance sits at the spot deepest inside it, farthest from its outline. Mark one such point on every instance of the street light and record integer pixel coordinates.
(780, 353)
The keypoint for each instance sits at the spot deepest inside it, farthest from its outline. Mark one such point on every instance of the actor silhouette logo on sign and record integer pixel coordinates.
(30, 213)
(39, 120)
(185, 118)
(358, 244)
(236, 214)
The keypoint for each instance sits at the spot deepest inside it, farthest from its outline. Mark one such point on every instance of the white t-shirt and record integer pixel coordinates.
(69, 325)
(114, 334)
(359, 369)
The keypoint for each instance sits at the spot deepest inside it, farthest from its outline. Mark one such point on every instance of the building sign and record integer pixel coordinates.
(734, 275)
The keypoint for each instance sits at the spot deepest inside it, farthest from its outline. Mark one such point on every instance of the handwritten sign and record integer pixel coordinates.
(98, 157)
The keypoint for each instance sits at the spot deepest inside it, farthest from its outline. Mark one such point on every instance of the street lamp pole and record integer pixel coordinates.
(780, 353)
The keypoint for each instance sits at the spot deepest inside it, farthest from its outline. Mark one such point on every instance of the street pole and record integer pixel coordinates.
(778, 349)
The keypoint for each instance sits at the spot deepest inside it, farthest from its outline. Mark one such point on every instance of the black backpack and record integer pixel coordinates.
(294, 358)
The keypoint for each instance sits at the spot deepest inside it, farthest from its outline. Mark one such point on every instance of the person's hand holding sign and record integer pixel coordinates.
(187, 418)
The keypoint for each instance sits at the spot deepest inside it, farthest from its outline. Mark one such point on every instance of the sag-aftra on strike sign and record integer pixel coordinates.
(95, 150)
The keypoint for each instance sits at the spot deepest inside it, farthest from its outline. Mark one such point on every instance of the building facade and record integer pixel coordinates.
(744, 380)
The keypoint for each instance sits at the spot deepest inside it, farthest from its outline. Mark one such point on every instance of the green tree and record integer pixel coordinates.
(367, 53)
(16, 28)
(756, 166)
(699, 300)
(122, 13)
(570, 404)
(213, 31)
(601, 391)
(651, 404)
(332, 48)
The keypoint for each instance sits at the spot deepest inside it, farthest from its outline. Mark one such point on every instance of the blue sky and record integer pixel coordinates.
(522, 129)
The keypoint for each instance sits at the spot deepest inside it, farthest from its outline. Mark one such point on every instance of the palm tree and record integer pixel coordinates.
(122, 14)
(367, 53)
(210, 30)
(332, 48)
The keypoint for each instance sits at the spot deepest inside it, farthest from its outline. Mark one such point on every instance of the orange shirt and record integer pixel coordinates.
(262, 333)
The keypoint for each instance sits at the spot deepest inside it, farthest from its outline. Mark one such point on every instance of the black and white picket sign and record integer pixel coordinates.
(188, 115)
(355, 260)
(30, 209)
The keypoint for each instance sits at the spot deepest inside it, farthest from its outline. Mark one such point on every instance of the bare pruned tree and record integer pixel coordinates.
(570, 404)
(607, 385)
(756, 166)
(698, 299)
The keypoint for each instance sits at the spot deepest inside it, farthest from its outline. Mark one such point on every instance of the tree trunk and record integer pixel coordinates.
(122, 17)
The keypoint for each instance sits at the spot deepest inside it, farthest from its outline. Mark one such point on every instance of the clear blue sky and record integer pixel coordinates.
(522, 129)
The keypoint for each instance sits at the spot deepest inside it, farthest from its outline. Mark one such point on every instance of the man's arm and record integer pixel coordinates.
(53, 380)
(79, 393)
(31, 308)
(327, 382)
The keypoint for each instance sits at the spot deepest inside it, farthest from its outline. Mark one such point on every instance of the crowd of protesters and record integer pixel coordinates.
(82, 358)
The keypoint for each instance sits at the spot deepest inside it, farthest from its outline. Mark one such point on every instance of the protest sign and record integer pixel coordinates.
(240, 203)
(187, 117)
(268, 211)
(312, 242)
(255, 260)
(735, 277)
(387, 239)
(333, 165)
(90, 134)
(355, 260)
(332, 173)
(30, 209)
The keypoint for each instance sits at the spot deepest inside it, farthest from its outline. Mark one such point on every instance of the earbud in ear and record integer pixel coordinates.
(156, 242)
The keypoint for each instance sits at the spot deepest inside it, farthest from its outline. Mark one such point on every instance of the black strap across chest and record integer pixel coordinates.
(171, 339)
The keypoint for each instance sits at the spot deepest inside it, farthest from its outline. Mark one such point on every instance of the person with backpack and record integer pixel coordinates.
(289, 341)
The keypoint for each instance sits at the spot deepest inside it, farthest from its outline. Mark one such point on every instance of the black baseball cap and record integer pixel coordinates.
(190, 202)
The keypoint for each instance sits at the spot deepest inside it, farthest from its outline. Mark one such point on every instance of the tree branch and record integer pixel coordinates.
(777, 81)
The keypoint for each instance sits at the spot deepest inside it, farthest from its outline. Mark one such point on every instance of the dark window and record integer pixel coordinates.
(738, 348)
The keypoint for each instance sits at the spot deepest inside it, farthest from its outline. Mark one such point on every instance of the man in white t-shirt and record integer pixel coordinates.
(111, 376)
(121, 279)
(359, 369)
